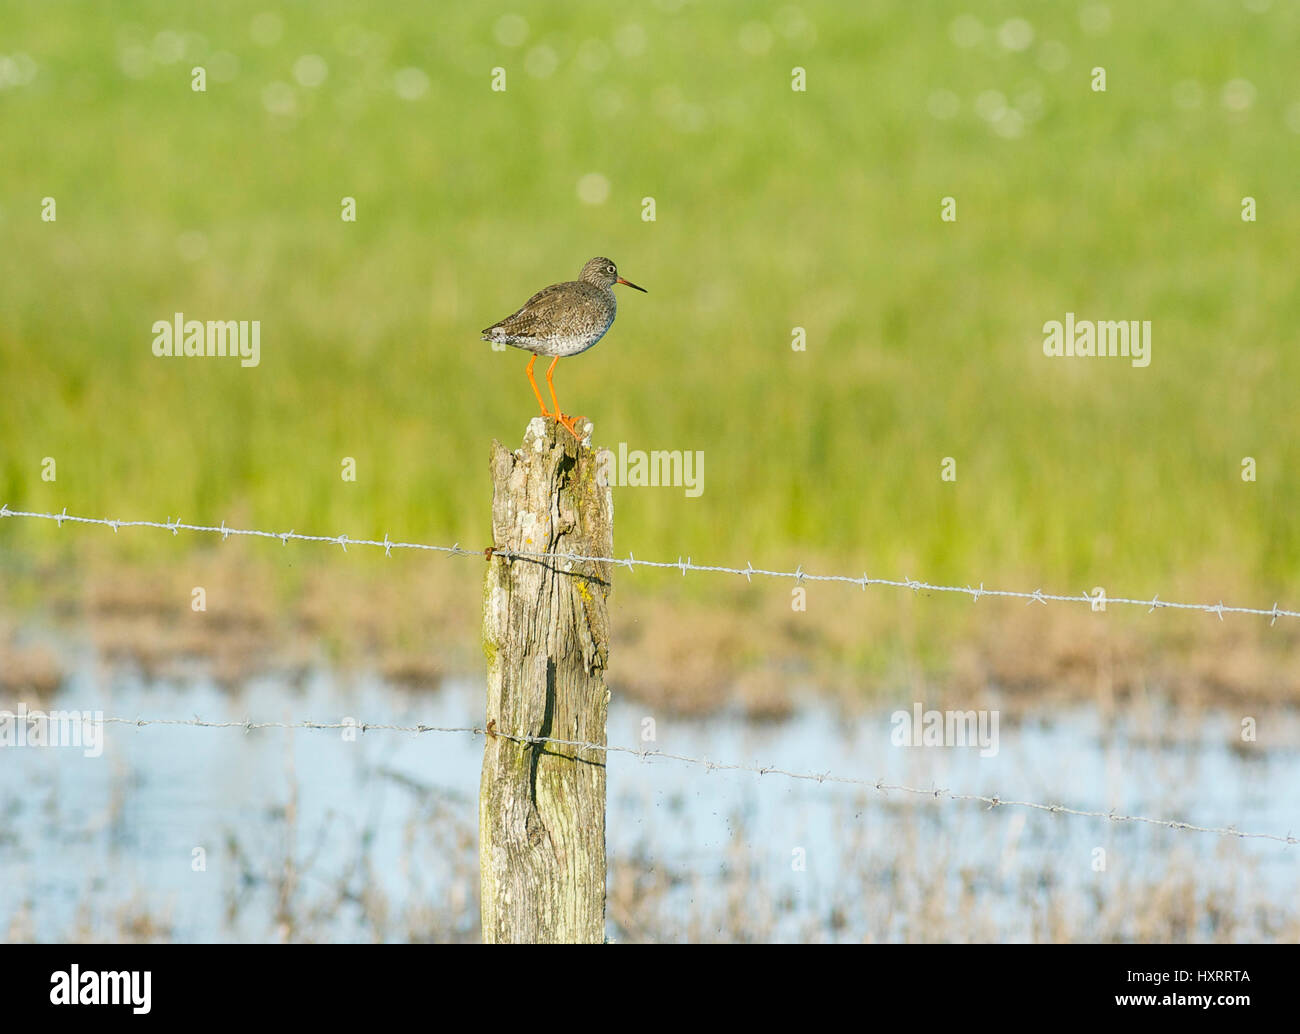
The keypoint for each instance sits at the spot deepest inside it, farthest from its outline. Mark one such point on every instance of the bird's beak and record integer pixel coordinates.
(628, 283)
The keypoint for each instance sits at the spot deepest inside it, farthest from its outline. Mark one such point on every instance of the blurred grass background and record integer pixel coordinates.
(775, 209)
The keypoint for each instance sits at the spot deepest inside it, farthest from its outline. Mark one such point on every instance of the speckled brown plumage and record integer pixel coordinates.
(563, 320)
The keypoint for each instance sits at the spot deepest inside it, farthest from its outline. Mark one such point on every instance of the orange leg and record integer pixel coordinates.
(569, 423)
(538, 393)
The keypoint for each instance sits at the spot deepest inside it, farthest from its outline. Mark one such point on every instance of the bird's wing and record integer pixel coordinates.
(557, 304)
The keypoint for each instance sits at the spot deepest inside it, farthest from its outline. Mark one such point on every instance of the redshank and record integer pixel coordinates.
(563, 320)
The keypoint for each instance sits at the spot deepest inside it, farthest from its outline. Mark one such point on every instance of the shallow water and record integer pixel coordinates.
(382, 830)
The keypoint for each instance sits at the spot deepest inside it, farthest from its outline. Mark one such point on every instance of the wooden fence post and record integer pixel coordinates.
(546, 637)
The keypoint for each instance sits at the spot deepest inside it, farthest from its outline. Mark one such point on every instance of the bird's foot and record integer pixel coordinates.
(570, 424)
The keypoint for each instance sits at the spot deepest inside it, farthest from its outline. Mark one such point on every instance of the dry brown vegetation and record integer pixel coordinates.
(690, 650)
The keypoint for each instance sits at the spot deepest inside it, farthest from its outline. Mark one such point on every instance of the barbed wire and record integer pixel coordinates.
(992, 801)
(177, 526)
(684, 565)
(749, 571)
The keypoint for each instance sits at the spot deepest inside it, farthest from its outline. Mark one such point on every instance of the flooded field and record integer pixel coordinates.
(204, 834)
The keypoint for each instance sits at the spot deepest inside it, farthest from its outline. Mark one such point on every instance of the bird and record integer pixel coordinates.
(563, 320)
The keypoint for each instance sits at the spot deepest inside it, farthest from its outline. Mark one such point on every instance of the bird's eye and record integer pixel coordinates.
(610, 269)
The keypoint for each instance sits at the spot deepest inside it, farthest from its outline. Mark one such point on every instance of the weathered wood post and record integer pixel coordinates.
(546, 637)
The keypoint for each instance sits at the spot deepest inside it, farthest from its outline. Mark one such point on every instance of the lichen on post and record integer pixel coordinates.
(546, 639)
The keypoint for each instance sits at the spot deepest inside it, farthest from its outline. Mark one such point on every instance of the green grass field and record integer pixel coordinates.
(775, 209)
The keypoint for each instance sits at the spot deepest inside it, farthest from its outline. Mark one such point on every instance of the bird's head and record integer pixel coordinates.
(603, 273)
